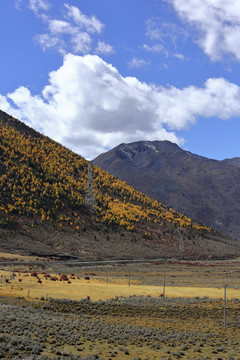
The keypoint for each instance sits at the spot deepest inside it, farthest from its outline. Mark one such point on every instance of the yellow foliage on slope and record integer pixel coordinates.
(41, 178)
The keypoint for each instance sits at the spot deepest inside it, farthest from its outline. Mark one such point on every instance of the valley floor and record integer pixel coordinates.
(127, 328)
(67, 320)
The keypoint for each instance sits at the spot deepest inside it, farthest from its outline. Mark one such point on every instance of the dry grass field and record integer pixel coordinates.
(77, 287)
(66, 312)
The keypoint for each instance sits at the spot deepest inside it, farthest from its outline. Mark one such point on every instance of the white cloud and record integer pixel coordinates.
(137, 63)
(90, 24)
(158, 48)
(39, 5)
(153, 31)
(81, 43)
(73, 33)
(18, 4)
(218, 98)
(78, 41)
(154, 48)
(179, 56)
(164, 37)
(59, 27)
(218, 24)
(89, 107)
(47, 41)
(103, 48)
(156, 29)
(5, 106)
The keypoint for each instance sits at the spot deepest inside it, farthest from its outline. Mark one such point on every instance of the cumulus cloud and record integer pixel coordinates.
(217, 22)
(89, 107)
(6, 106)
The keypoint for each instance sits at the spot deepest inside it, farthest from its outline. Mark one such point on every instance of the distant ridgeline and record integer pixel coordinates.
(45, 181)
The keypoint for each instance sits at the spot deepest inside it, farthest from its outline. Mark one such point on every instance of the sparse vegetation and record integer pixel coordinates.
(127, 328)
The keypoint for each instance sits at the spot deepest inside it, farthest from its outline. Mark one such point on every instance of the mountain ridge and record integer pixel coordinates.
(192, 184)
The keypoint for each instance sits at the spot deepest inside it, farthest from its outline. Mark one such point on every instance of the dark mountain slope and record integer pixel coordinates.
(234, 161)
(207, 190)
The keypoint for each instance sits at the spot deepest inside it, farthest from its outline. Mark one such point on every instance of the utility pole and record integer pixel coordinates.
(224, 306)
(90, 195)
(164, 283)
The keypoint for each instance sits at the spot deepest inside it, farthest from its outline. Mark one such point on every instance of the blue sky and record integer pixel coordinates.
(95, 73)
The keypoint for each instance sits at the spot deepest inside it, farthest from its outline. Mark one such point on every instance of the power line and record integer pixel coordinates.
(90, 195)
(180, 242)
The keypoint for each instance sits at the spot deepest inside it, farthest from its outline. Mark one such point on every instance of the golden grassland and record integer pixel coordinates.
(99, 290)
(130, 322)
(79, 286)
(182, 279)
(19, 257)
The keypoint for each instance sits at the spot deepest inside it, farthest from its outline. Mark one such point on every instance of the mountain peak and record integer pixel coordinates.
(156, 145)
(205, 189)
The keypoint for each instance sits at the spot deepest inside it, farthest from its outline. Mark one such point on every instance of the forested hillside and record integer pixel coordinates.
(41, 178)
(45, 183)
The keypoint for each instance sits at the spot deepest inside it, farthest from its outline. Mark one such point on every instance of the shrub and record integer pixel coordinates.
(64, 277)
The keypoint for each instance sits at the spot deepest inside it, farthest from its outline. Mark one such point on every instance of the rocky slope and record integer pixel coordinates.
(205, 189)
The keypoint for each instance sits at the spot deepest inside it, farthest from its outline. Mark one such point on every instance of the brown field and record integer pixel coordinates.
(104, 318)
